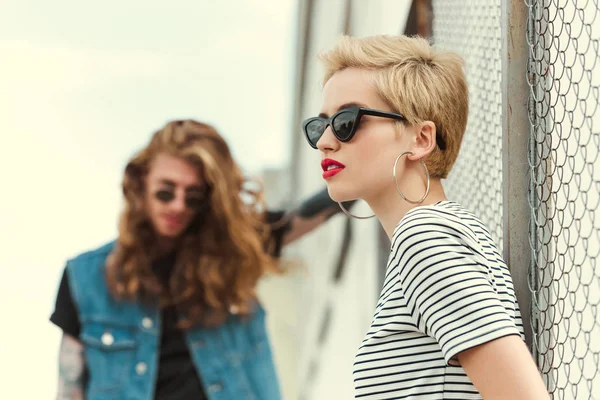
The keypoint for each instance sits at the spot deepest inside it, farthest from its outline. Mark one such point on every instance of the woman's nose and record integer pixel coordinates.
(328, 141)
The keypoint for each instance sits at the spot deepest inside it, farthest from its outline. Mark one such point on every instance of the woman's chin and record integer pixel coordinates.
(340, 196)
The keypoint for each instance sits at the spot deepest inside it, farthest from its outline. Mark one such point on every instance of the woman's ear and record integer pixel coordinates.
(425, 140)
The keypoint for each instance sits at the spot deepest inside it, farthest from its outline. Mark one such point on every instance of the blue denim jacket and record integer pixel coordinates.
(122, 341)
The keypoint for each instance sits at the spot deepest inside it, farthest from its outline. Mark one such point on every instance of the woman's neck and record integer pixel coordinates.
(390, 208)
(166, 245)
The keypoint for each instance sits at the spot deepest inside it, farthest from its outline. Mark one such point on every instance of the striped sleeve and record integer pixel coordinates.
(448, 286)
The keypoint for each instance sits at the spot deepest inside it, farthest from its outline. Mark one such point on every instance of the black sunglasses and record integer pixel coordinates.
(193, 202)
(344, 124)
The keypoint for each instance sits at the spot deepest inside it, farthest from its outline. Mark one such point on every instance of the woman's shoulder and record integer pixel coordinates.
(445, 219)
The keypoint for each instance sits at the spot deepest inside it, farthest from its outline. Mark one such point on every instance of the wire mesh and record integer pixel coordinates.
(564, 74)
(472, 29)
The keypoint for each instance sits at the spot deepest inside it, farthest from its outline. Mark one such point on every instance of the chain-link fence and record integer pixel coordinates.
(563, 42)
(472, 28)
(564, 73)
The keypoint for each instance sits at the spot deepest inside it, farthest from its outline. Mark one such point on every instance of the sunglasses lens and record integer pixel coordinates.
(343, 125)
(165, 195)
(191, 201)
(314, 130)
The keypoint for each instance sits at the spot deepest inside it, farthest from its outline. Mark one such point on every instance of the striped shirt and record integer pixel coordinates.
(446, 290)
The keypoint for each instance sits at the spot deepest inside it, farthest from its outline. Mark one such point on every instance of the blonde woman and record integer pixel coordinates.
(447, 323)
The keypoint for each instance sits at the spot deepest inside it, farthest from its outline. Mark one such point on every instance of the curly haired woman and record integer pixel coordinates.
(169, 309)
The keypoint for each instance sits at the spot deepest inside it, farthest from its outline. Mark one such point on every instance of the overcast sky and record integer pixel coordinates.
(83, 85)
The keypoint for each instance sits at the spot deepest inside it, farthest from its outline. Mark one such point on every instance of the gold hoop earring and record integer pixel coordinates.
(396, 180)
(352, 215)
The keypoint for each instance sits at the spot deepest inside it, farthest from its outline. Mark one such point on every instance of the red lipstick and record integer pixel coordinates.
(173, 221)
(331, 168)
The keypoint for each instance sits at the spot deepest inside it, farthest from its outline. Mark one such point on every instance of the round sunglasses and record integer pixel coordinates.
(345, 122)
(191, 201)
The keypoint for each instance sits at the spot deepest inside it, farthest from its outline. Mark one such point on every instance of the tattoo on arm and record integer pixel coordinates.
(71, 369)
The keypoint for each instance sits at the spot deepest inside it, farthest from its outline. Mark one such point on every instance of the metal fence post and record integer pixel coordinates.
(515, 143)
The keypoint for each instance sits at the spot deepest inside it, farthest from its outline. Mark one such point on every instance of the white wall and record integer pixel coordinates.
(325, 371)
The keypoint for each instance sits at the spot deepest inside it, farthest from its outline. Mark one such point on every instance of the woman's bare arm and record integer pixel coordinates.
(71, 369)
(503, 369)
(311, 214)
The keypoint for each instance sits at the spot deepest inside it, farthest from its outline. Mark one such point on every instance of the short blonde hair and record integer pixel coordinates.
(415, 80)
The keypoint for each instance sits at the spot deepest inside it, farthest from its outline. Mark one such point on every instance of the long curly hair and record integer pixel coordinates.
(219, 257)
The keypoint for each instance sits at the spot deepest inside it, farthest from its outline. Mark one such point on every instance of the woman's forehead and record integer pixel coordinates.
(350, 86)
(174, 171)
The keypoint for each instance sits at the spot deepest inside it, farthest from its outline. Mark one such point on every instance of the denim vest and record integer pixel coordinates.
(122, 343)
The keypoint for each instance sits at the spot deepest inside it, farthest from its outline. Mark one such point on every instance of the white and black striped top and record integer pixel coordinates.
(446, 290)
